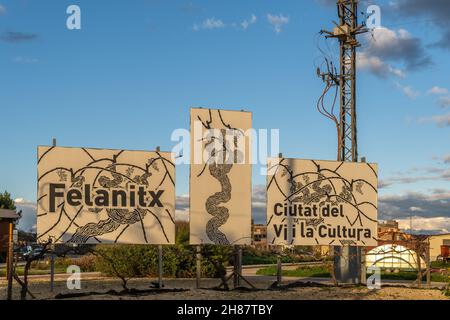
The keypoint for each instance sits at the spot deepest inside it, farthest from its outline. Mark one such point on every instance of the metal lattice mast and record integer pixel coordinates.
(348, 22)
(346, 32)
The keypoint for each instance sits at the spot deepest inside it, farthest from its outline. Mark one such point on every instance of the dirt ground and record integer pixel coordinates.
(186, 291)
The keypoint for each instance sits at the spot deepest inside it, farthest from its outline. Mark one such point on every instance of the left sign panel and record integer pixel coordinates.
(105, 196)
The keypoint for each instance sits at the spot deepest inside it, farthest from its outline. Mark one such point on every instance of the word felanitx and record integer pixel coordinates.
(133, 197)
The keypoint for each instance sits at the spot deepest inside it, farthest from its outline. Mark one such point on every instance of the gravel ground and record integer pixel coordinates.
(188, 292)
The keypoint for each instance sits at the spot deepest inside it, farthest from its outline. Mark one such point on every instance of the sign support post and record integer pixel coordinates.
(160, 266)
(52, 272)
(279, 266)
(199, 266)
(52, 256)
(363, 267)
(279, 269)
(419, 270)
(236, 267)
(428, 261)
(10, 261)
(160, 252)
(239, 265)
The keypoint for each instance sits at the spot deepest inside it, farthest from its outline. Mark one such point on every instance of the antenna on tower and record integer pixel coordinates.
(346, 32)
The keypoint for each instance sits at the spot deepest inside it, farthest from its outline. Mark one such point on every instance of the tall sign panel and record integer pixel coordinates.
(105, 196)
(321, 203)
(220, 177)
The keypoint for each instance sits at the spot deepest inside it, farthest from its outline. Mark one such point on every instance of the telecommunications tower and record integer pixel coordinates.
(347, 260)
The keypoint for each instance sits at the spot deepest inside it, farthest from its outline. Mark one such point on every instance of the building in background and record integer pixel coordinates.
(388, 226)
(259, 235)
(440, 246)
(7, 218)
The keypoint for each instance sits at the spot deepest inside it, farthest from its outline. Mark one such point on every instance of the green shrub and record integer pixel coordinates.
(182, 233)
(216, 259)
(134, 261)
(125, 261)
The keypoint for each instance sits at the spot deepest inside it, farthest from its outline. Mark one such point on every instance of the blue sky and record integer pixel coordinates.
(129, 76)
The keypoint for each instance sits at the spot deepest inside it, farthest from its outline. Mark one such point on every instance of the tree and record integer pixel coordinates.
(6, 202)
(182, 233)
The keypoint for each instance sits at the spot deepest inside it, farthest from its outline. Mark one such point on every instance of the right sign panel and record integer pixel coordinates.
(321, 203)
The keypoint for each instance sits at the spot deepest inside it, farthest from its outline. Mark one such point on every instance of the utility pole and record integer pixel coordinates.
(347, 259)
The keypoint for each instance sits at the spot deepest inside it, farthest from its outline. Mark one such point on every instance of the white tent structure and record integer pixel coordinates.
(392, 256)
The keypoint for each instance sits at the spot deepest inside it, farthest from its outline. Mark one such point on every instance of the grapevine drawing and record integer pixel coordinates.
(219, 170)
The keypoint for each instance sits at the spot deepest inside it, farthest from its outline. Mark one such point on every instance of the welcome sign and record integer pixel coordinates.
(321, 203)
(105, 196)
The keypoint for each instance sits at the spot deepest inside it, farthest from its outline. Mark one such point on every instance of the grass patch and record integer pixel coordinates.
(322, 272)
(314, 272)
(20, 271)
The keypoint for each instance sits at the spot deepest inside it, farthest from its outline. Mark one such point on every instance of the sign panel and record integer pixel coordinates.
(321, 203)
(220, 177)
(105, 196)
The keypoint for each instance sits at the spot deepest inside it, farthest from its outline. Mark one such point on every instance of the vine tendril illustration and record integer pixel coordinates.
(215, 203)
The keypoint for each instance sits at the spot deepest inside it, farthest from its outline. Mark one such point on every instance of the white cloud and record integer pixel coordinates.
(438, 90)
(277, 21)
(246, 23)
(182, 205)
(408, 91)
(210, 24)
(444, 99)
(419, 223)
(182, 215)
(2, 9)
(29, 209)
(444, 102)
(416, 209)
(24, 60)
(446, 158)
(440, 121)
(387, 46)
(377, 66)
